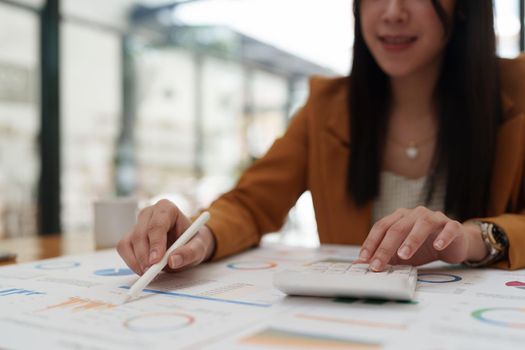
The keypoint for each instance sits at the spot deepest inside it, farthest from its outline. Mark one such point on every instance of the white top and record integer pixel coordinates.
(400, 192)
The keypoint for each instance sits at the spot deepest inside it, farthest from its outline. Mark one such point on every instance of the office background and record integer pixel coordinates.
(152, 98)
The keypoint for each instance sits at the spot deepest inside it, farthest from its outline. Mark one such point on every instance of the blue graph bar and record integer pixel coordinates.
(14, 291)
(114, 272)
(238, 302)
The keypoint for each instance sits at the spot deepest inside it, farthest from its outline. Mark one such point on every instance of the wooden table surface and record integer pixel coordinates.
(43, 247)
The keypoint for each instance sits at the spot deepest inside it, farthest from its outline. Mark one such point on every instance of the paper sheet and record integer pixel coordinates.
(75, 302)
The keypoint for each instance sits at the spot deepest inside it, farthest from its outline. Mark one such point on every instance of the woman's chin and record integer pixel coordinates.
(397, 71)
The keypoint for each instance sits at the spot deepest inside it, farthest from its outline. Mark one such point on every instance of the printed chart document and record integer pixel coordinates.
(76, 302)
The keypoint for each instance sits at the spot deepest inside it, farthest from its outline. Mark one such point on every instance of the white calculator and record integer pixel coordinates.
(337, 278)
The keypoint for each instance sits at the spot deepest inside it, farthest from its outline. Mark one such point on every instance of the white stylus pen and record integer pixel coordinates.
(154, 270)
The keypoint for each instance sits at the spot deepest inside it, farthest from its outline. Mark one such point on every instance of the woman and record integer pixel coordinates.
(420, 124)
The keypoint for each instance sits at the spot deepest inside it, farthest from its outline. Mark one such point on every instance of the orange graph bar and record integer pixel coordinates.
(371, 324)
(81, 304)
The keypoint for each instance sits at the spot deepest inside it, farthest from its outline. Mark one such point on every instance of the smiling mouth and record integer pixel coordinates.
(397, 39)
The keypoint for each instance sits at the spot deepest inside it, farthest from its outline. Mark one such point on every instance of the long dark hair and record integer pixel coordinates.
(468, 100)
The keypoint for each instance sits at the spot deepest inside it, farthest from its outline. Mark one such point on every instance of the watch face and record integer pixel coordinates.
(499, 236)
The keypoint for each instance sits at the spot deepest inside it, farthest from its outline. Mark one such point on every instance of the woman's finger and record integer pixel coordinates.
(191, 254)
(138, 238)
(374, 238)
(393, 238)
(426, 224)
(448, 235)
(164, 216)
(125, 250)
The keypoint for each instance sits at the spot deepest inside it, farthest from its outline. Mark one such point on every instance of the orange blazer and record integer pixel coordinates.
(313, 155)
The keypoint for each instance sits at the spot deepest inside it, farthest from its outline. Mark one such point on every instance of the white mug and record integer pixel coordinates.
(113, 218)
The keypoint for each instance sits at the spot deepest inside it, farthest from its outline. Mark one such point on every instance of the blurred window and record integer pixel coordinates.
(165, 135)
(90, 95)
(19, 120)
(507, 22)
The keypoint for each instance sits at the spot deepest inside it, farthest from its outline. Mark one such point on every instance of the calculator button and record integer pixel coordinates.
(380, 274)
(401, 270)
(359, 268)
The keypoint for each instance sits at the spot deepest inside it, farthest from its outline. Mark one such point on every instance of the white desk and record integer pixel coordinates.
(73, 302)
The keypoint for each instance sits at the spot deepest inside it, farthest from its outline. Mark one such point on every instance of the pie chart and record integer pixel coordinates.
(437, 277)
(516, 284)
(507, 317)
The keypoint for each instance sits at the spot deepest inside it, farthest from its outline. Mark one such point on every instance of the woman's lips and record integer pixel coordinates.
(397, 42)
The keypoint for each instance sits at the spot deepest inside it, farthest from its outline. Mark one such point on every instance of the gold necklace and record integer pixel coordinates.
(412, 149)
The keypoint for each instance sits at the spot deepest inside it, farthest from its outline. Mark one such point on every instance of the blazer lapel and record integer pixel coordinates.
(508, 162)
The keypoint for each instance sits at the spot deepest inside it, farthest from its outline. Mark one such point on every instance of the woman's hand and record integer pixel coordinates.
(418, 236)
(158, 226)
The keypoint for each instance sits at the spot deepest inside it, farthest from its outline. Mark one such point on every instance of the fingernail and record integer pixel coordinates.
(376, 264)
(439, 244)
(153, 256)
(364, 255)
(404, 252)
(175, 261)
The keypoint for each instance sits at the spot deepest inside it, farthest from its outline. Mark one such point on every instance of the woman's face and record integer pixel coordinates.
(404, 36)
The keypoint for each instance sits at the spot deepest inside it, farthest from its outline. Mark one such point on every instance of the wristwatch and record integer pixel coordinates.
(496, 242)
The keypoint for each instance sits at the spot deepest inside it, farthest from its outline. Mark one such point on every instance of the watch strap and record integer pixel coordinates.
(496, 246)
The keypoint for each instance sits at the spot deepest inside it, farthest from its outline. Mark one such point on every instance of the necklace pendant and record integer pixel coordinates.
(412, 151)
